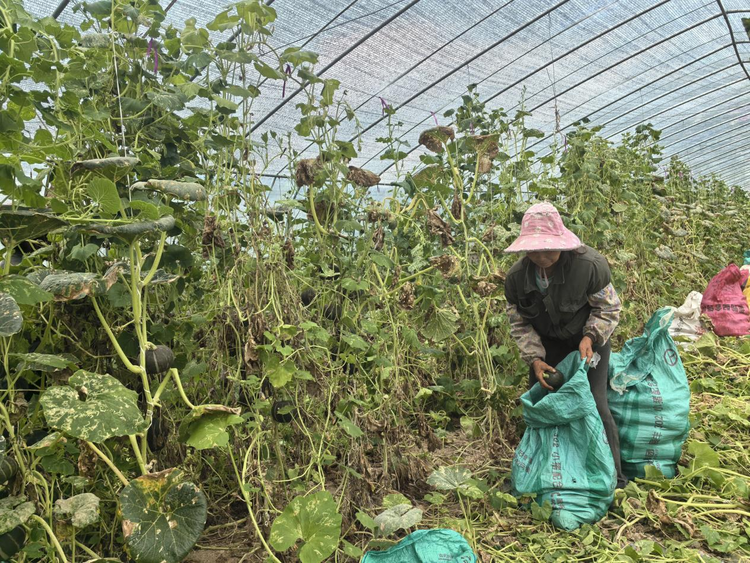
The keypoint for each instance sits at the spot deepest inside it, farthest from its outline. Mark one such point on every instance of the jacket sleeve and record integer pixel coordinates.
(604, 316)
(527, 339)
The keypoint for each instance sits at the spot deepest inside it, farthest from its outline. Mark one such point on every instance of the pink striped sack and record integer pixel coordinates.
(724, 303)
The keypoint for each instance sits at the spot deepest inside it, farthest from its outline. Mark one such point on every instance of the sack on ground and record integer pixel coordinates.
(426, 546)
(687, 318)
(725, 304)
(649, 397)
(564, 456)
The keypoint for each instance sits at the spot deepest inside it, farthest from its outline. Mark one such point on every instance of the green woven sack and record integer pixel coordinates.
(426, 546)
(564, 456)
(649, 397)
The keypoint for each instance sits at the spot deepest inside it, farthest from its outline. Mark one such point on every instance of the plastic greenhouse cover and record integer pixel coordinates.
(674, 63)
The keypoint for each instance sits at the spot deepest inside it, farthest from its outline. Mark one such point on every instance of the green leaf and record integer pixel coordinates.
(81, 510)
(205, 426)
(619, 208)
(14, 511)
(162, 517)
(399, 517)
(441, 324)
(23, 290)
(103, 192)
(329, 89)
(704, 455)
(381, 260)
(11, 320)
(352, 550)
(541, 513)
(268, 72)
(279, 372)
(147, 210)
(93, 407)
(394, 499)
(349, 427)
(168, 101)
(366, 520)
(312, 519)
(119, 296)
(210, 431)
(449, 478)
(83, 253)
(69, 286)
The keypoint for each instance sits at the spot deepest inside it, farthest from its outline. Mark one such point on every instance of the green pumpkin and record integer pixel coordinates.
(159, 360)
(12, 542)
(554, 380)
(8, 469)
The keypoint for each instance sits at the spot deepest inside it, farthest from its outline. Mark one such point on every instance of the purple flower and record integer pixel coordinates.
(150, 46)
(288, 72)
(384, 105)
(434, 117)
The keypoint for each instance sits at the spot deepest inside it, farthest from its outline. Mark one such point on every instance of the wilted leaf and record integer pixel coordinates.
(449, 478)
(162, 518)
(69, 286)
(11, 320)
(399, 517)
(312, 519)
(42, 362)
(349, 427)
(24, 223)
(118, 165)
(189, 191)
(81, 510)
(131, 230)
(93, 407)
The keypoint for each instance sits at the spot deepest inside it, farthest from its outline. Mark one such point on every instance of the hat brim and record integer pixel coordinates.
(545, 243)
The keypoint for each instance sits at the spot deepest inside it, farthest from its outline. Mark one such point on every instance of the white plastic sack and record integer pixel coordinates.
(686, 322)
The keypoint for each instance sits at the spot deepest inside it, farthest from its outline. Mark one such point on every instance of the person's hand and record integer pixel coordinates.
(540, 368)
(586, 348)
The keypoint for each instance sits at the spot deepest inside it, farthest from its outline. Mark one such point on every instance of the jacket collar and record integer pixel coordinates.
(558, 278)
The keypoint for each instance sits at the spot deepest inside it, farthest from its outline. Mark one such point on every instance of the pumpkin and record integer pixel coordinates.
(284, 418)
(12, 542)
(8, 469)
(554, 380)
(307, 296)
(159, 360)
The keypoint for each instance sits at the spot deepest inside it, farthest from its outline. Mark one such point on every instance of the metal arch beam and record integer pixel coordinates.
(706, 156)
(466, 62)
(626, 59)
(672, 144)
(715, 164)
(699, 143)
(721, 103)
(731, 35)
(730, 176)
(713, 126)
(730, 110)
(712, 163)
(664, 95)
(629, 57)
(632, 92)
(60, 9)
(574, 49)
(673, 107)
(650, 117)
(356, 44)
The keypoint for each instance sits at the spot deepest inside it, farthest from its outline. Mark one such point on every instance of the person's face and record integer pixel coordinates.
(545, 259)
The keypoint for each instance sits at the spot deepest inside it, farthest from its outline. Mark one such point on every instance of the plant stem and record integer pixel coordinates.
(109, 462)
(52, 536)
(123, 358)
(176, 376)
(137, 451)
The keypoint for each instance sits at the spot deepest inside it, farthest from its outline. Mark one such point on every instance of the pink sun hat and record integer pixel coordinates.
(542, 229)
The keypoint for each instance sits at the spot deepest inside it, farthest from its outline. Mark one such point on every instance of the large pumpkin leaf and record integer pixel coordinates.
(93, 407)
(399, 517)
(25, 223)
(81, 510)
(315, 521)
(206, 426)
(162, 518)
(23, 290)
(69, 286)
(440, 324)
(11, 320)
(104, 193)
(455, 479)
(14, 511)
(189, 191)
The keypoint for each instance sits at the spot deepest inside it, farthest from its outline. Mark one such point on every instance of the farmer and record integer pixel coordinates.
(561, 299)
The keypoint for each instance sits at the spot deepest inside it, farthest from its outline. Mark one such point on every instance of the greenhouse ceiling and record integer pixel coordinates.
(682, 65)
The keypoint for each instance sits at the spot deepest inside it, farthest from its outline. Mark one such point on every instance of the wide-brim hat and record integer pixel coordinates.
(542, 230)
